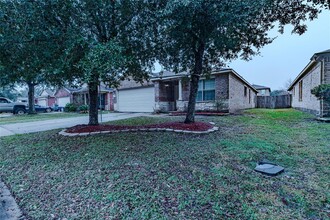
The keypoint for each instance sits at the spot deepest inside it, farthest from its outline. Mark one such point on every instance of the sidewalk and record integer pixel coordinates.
(36, 126)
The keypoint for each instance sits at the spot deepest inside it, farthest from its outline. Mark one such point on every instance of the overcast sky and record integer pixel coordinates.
(287, 56)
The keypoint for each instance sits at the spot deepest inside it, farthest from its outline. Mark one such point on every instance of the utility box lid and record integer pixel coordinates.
(268, 168)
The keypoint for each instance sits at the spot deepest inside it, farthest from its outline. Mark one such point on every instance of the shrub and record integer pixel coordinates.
(70, 107)
(322, 92)
(221, 105)
(83, 108)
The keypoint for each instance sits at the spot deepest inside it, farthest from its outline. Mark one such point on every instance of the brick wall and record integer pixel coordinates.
(326, 80)
(308, 102)
(326, 69)
(229, 95)
(222, 86)
(238, 100)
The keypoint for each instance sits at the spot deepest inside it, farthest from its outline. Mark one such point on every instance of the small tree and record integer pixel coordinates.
(322, 92)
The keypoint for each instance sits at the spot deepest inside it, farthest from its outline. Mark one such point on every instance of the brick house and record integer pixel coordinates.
(262, 90)
(64, 96)
(316, 72)
(105, 97)
(224, 90)
(46, 98)
(79, 96)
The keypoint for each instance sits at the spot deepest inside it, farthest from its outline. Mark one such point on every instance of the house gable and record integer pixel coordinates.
(62, 92)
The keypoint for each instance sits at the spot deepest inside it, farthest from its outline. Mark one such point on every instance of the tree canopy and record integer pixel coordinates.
(30, 47)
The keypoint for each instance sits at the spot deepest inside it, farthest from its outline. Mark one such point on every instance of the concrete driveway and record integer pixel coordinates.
(36, 126)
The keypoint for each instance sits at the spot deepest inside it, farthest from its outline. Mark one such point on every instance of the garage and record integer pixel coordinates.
(62, 101)
(42, 102)
(136, 100)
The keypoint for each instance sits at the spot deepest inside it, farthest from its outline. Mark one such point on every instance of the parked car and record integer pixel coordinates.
(6, 105)
(40, 108)
(57, 108)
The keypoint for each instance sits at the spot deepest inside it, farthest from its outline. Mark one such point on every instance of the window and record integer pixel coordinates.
(294, 91)
(245, 91)
(249, 96)
(300, 91)
(206, 90)
(263, 92)
(3, 101)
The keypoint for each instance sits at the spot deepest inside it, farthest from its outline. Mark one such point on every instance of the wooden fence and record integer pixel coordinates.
(281, 101)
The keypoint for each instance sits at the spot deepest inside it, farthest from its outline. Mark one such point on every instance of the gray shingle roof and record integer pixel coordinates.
(260, 87)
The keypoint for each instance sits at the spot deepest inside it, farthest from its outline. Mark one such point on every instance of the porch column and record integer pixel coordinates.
(180, 89)
(85, 98)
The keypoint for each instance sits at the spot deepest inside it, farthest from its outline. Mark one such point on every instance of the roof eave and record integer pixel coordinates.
(241, 78)
(302, 74)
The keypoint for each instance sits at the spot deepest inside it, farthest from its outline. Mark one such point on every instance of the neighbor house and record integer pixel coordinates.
(79, 96)
(223, 90)
(64, 95)
(46, 98)
(262, 90)
(105, 97)
(316, 72)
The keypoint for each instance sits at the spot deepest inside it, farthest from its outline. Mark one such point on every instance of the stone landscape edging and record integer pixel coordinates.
(323, 119)
(64, 133)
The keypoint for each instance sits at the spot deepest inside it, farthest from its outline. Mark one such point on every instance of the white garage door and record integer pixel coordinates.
(136, 100)
(62, 101)
(42, 102)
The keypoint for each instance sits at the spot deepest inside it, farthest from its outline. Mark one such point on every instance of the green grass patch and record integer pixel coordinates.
(163, 175)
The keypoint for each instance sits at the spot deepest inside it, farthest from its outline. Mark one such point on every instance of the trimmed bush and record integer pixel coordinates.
(83, 108)
(70, 107)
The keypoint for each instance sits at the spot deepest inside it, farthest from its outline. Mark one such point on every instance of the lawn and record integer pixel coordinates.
(164, 175)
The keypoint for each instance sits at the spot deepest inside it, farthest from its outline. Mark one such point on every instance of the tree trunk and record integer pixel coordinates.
(93, 103)
(197, 72)
(31, 109)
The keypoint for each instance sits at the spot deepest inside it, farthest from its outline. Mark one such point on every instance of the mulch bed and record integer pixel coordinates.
(200, 113)
(197, 126)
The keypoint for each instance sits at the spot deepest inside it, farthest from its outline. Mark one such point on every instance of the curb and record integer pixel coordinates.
(9, 209)
(64, 133)
(322, 119)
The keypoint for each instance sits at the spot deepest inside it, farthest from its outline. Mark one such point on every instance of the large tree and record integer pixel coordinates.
(31, 47)
(115, 44)
(200, 35)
